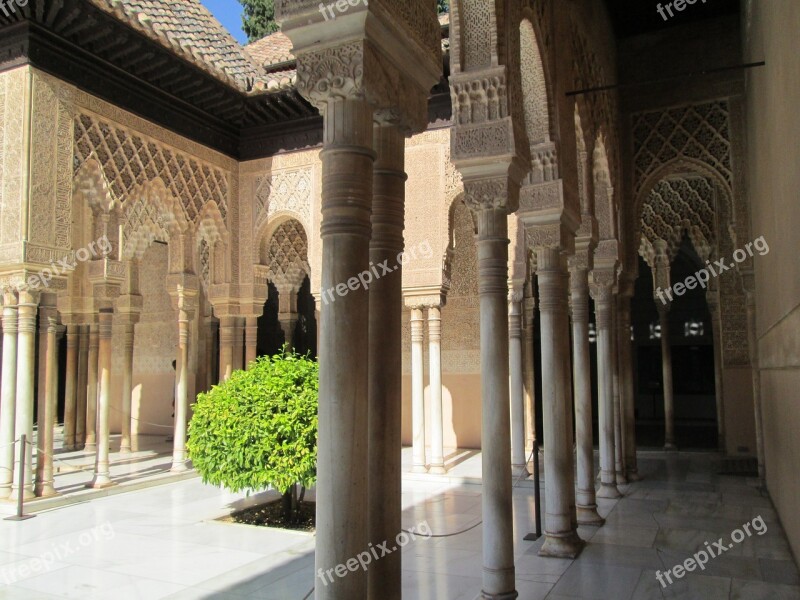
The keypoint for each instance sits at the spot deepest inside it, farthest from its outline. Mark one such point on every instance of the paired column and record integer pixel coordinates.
(102, 474)
(251, 340)
(26, 349)
(92, 389)
(560, 528)
(385, 373)
(602, 293)
(82, 391)
(71, 387)
(8, 391)
(184, 297)
(586, 503)
(48, 381)
(435, 376)
(627, 389)
(516, 386)
(418, 391)
(528, 370)
(126, 445)
(226, 335)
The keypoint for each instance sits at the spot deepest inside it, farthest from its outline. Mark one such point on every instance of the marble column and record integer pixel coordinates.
(435, 382)
(44, 464)
(126, 445)
(226, 335)
(185, 306)
(666, 369)
(26, 349)
(385, 374)
(48, 315)
(561, 538)
(529, 370)
(8, 391)
(716, 330)
(627, 389)
(516, 386)
(619, 457)
(92, 389)
(71, 387)
(601, 289)
(102, 474)
(586, 503)
(82, 391)
(418, 391)
(251, 340)
(238, 344)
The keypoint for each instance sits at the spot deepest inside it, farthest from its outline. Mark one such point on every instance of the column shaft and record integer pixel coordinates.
(718, 386)
(238, 344)
(418, 391)
(179, 459)
(44, 463)
(251, 340)
(516, 389)
(92, 389)
(561, 537)
(226, 335)
(529, 371)
(125, 446)
(666, 370)
(586, 503)
(71, 387)
(8, 391)
(435, 377)
(102, 474)
(82, 391)
(385, 373)
(26, 348)
(627, 389)
(619, 452)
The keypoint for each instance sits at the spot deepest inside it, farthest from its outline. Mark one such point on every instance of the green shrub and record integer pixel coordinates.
(259, 428)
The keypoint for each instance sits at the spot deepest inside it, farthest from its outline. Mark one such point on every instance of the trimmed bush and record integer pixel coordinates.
(259, 429)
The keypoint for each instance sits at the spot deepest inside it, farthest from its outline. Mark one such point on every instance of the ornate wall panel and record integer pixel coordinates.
(286, 254)
(13, 162)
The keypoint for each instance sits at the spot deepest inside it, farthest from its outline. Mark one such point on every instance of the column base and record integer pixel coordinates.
(670, 447)
(47, 491)
(502, 596)
(622, 478)
(179, 467)
(566, 546)
(90, 447)
(588, 515)
(633, 475)
(100, 482)
(608, 491)
(437, 470)
(419, 469)
(518, 471)
(125, 450)
(27, 494)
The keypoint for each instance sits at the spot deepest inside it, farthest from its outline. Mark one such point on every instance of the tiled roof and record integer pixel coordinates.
(271, 50)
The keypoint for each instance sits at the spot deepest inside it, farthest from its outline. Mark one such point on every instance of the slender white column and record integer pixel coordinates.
(586, 503)
(251, 340)
(26, 348)
(626, 386)
(713, 308)
(226, 335)
(125, 446)
(561, 538)
(70, 387)
(92, 390)
(179, 460)
(385, 374)
(666, 368)
(102, 474)
(619, 451)
(498, 535)
(601, 292)
(83, 367)
(8, 391)
(44, 463)
(516, 387)
(529, 374)
(418, 391)
(435, 376)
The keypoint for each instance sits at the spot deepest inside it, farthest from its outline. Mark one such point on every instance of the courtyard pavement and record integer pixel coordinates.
(164, 542)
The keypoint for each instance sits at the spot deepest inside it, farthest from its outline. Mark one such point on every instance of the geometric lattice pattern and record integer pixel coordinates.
(129, 160)
(283, 191)
(679, 205)
(144, 217)
(287, 255)
(701, 132)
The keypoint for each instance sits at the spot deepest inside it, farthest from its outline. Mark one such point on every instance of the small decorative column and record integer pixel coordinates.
(287, 310)
(712, 299)
(184, 295)
(226, 334)
(561, 537)
(529, 370)
(602, 293)
(251, 340)
(44, 465)
(81, 405)
(662, 281)
(48, 380)
(26, 349)
(435, 377)
(418, 391)
(619, 458)
(586, 504)
(8, 391)
(627, 389)
(516, 386)
(126, 444)
(71, 385)
(92, 390)
(102, 473)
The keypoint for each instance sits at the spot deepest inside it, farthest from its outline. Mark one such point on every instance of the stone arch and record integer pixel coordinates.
(283, 250)
(211, 230)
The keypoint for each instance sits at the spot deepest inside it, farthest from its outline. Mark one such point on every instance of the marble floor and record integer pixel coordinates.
(164, 542)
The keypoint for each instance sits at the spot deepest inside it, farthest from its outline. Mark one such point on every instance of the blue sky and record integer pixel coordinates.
(229, 13)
